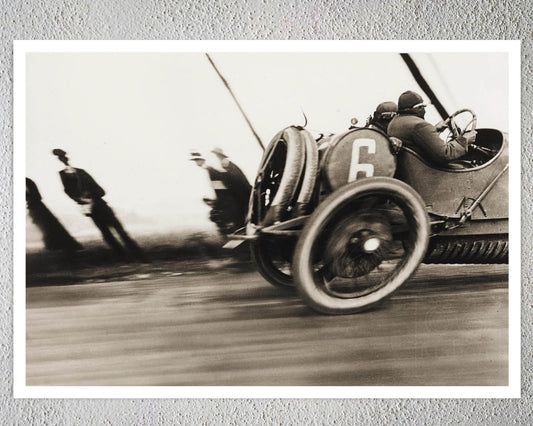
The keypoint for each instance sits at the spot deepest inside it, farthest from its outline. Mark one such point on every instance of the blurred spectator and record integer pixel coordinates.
(55, 236)
(225, 211)
(236, 182)
(83, 189)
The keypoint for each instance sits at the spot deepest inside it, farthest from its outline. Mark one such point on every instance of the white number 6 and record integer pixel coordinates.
(355, 166)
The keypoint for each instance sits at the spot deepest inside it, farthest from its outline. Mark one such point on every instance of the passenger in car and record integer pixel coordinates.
(382, 116)
(423, 137)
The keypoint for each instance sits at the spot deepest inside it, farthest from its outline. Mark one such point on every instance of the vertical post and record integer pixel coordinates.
(424, 85)
(236, 101)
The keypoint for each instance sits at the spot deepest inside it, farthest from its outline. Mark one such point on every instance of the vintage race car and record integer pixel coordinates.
(348, 218)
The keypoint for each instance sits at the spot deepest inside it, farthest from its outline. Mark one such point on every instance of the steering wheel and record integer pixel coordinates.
(457, 132)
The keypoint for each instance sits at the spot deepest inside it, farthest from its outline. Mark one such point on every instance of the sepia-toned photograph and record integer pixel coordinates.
(209, 218)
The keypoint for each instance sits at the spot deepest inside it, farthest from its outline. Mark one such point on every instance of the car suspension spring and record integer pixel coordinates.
(484, 249)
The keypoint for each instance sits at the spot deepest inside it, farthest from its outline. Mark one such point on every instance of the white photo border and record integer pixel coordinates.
(21, 390)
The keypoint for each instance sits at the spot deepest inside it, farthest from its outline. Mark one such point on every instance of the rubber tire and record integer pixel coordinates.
(265, 267)
(292, 173)
(303, 272)
(302, 161)
(310, 173)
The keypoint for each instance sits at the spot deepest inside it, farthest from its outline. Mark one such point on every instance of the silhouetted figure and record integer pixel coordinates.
(82, 188)
(55, 236)
(225, 211)
(237, 184)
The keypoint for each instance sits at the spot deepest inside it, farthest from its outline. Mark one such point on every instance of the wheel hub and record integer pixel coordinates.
(371, 244)
(357, 245)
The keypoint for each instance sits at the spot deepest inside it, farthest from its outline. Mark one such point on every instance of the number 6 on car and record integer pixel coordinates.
(355, 155)
(355, 165)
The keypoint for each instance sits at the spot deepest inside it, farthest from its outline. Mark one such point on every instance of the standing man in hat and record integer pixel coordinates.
(409, 126)
(237, 183)
(82, 188)
(224, 208)
(215, 176)
(382, 116)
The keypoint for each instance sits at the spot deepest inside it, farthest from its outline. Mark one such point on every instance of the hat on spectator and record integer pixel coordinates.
(218, 151)
(196, 156)
(59, 153)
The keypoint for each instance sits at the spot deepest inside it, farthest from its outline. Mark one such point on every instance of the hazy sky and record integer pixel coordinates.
(131, 119)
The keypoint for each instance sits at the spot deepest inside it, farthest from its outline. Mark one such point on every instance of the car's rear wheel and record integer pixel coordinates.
(273, 258)
(360, 245)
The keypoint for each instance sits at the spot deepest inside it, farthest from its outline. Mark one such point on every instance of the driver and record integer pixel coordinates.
(415, 132)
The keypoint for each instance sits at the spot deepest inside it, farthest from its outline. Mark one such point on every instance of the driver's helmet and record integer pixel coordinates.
(409, 100)
(383, 114)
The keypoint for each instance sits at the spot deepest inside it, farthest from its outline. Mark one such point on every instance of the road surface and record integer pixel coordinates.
(446, 326)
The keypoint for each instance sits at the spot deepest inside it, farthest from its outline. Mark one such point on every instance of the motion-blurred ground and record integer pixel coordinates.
(177, 254)
(198, 315)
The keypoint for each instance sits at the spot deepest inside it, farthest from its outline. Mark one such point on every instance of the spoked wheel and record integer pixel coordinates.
(285, 181)
(361, 244)
(273, 257)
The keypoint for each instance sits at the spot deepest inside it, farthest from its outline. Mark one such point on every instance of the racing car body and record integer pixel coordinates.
(348, 218)
(448, 192)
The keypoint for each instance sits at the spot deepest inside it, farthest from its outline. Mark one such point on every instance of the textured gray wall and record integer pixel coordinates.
(255, 19)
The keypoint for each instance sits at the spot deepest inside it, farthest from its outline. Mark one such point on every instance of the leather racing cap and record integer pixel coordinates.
(409, 100)
(386, 110)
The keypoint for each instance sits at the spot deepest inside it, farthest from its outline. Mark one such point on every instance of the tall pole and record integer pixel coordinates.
(424, 85)
(236, 101)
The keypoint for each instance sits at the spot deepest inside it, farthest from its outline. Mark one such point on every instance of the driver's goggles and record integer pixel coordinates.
(422, 104)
